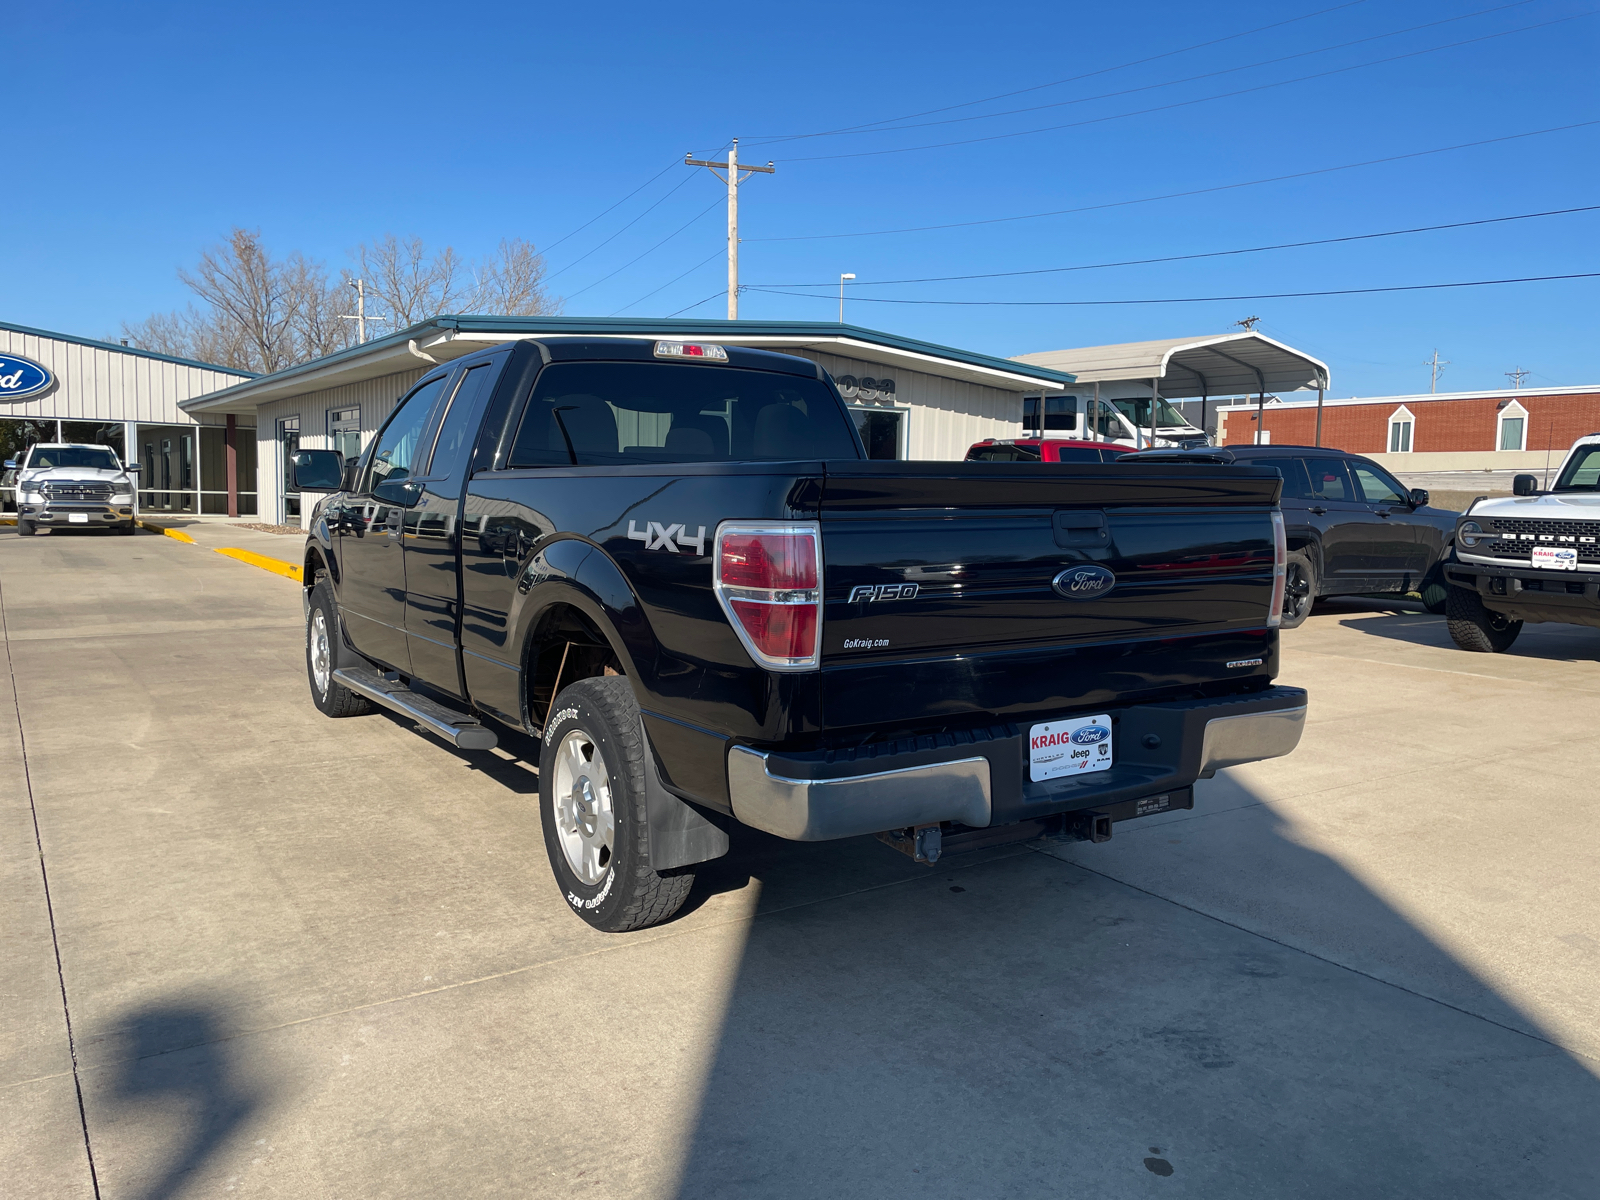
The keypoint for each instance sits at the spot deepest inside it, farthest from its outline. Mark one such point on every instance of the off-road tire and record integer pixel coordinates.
(1435, 592)
(26, 528)
(630, 894)
(330, 696)
(1302, 572)
(1475, 627)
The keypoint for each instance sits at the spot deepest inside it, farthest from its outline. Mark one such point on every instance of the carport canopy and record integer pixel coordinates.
(1228, 364)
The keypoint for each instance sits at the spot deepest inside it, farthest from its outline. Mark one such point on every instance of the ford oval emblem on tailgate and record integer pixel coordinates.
(1084, 583)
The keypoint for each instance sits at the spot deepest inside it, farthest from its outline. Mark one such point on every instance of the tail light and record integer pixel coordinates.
(1280, 569)
(769, 582)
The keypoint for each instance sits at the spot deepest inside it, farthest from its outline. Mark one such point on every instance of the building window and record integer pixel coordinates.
(1401, 424)
(1512, 428)
(344, 432)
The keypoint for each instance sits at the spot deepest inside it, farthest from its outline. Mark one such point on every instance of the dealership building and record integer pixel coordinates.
(909, 399)
(1449, 431)
(78, 389)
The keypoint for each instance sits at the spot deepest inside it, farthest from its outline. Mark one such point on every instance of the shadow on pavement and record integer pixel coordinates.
(180, 1089)
(1547, 640)
(1027, 1027)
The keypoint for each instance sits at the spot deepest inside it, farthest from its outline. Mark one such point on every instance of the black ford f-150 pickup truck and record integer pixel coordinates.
(672, 563)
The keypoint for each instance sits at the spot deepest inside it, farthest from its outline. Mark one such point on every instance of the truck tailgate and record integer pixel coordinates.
(1014, 589)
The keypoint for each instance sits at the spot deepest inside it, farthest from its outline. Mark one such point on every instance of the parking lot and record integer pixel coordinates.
(251, 950)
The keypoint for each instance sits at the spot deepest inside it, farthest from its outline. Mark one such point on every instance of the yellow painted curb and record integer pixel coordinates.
(8, 520)
(179, 534)
(276, 565)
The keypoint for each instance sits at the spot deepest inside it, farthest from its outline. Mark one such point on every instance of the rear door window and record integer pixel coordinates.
(1329, 479)
(1003, 454)
(1296, 482)
(624, 414)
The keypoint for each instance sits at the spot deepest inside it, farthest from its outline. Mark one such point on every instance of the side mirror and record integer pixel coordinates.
(132, 468)
(318, 470)
(1525, 485)
(11, 464)
(1418, 497)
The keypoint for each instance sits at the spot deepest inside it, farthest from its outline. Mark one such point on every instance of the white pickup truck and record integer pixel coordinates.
(71, 483)
(1532, 557)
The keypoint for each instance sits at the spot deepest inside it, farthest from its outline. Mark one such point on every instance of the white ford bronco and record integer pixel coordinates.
(1534, 556)
(70, 483)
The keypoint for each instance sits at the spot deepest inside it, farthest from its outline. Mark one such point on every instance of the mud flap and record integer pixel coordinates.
(680, 833)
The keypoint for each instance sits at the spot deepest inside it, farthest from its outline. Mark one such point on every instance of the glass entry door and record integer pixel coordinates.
(288, 445)
(880, 430)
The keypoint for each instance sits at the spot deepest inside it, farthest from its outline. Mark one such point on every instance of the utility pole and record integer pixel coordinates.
(360, 316)
(733, 180)
(1248, 324)
(1516, 378)
(842, 278)
(1435, 362)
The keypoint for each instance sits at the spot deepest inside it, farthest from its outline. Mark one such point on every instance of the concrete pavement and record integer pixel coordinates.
(305, 957)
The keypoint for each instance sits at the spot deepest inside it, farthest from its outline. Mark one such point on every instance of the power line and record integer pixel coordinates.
(1149, 87)
(1414, 287)
(652, 249)
(698, 303)
(1141, 262)
(995, 137)
(618, 204)
(618, 233)
(1223, 187)
(1138, 62)
(670, 282)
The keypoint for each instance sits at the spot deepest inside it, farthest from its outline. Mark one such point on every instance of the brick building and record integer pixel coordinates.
(1451, 431)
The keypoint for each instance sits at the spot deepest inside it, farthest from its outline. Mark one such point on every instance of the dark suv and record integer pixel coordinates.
(1353, 529)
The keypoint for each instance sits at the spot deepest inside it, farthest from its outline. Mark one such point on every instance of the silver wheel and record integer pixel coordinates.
(586, 822)
(321, 656)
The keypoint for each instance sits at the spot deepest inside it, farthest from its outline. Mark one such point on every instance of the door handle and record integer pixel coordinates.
(392, 522)
(1318, 511)
(1383, 512)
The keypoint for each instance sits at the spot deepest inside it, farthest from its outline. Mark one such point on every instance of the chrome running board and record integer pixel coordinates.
(457, 728)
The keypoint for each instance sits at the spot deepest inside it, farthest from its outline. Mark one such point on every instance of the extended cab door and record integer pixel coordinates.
(432, 533)
(372, 577)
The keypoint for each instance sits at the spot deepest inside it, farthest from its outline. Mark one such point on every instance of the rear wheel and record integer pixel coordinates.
(332, 698)
(592, 806)
(1299, 589)
(1475, 627)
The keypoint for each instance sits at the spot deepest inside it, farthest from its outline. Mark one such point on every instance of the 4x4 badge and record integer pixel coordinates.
(657, 536)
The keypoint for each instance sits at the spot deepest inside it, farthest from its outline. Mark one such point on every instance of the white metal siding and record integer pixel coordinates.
(946, 415)
(375, 397)
(103, 384)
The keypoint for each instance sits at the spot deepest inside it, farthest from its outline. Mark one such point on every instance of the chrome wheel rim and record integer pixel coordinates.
(321, 658)
(586, 823)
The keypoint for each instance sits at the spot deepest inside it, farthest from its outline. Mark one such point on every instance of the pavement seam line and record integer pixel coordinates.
(49, 906)
(1383, 662)
(666, 935)
(1399, 987)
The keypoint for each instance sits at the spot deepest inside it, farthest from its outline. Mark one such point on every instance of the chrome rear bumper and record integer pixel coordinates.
(982, 778)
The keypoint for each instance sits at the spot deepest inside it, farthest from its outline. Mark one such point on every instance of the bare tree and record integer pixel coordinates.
(263, 314)
(417, 285)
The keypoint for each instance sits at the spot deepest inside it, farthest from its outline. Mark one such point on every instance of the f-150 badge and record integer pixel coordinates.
(657, 536)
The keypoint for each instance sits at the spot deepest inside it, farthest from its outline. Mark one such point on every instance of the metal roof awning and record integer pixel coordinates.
(445, 338)
(1228, 364)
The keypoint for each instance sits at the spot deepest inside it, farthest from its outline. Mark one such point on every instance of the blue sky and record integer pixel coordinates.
(140, 134)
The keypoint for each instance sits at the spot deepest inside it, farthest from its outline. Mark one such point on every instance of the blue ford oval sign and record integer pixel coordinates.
(1084, 582)
(22, 377)
(1089, 735)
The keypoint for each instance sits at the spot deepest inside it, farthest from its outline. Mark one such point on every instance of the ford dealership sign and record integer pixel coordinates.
(22, 377)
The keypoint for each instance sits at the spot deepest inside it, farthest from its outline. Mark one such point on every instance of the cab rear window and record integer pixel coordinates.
(1003, 454)
(618, 414)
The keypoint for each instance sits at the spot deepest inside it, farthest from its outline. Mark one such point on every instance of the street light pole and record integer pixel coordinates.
(842, 278)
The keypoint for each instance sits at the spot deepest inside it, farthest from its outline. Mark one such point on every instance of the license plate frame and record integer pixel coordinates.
(1554, 558)
(77, 518)
(1064, 747)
